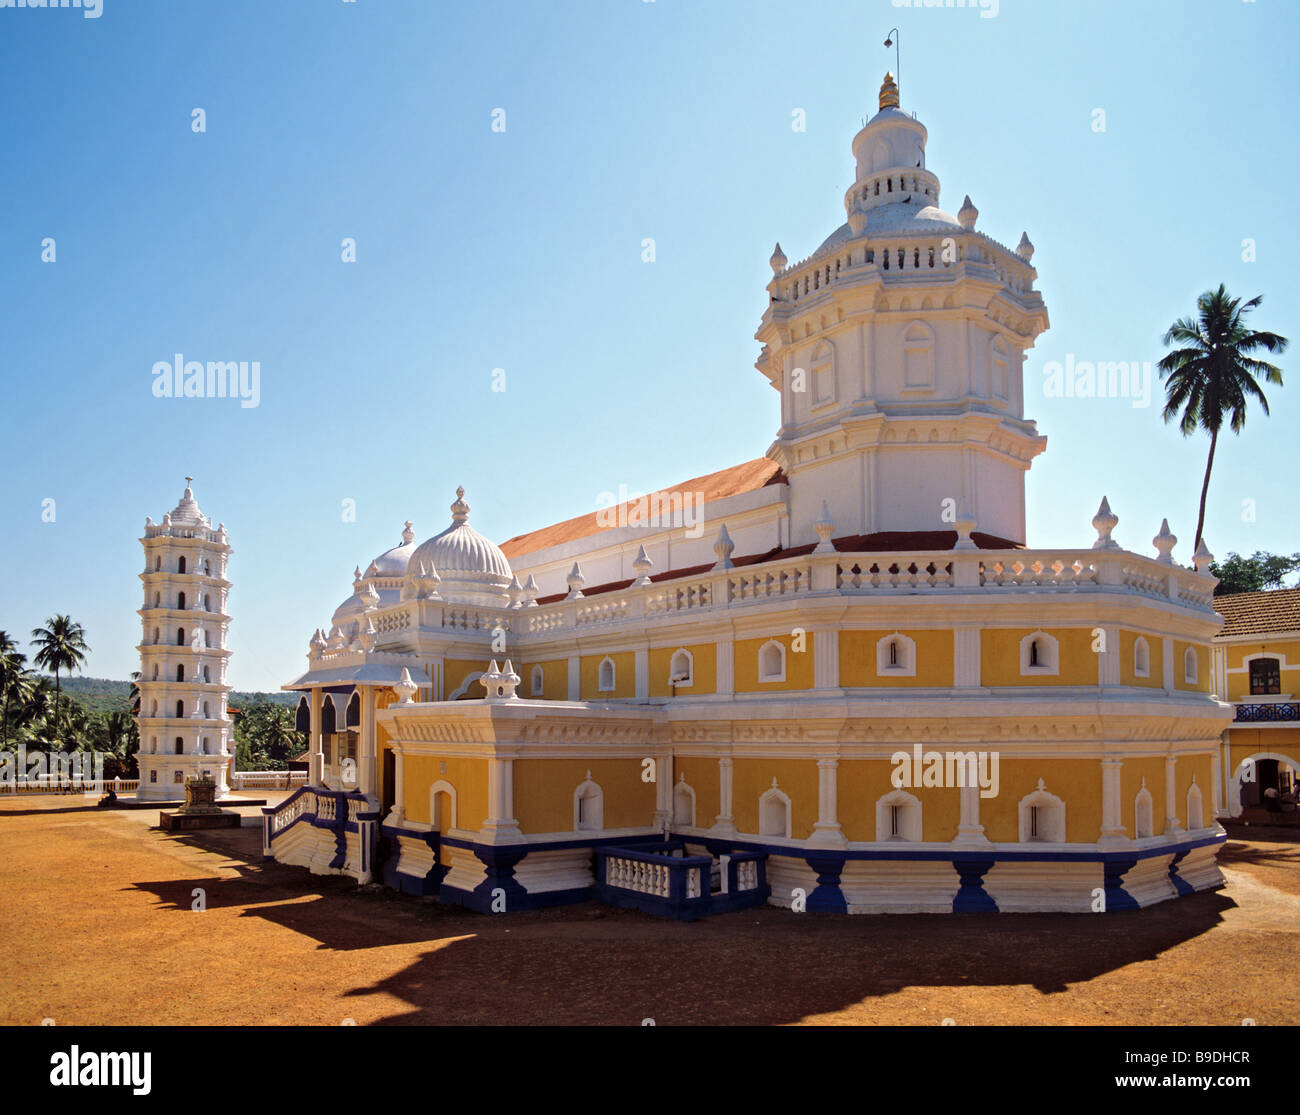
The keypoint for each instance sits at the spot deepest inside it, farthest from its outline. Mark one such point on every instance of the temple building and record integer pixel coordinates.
(832, 678)
(185, 728)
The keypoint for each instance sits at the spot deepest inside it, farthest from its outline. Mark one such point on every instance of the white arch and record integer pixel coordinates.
(1144, 813)
(999, 368)
(1195, 807)
(588, 806)
(1234, 805)
(774, 809)
(681, 668)
(1051, 816)
(463, 688)
(442, 786)
(537, 682)
(918, 355)
(1141, 658)
(1191, 667)
(902, 663)
(908, 816)
(771, 661)
(606, 676)
(1049, 655)
(683, 804)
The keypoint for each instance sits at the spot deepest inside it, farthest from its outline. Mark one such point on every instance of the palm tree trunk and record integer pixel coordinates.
(56, 677)
(1205, 488)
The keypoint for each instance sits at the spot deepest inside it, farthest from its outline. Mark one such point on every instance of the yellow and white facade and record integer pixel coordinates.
(832, 679)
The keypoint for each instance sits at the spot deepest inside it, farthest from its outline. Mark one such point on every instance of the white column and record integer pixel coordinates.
(725, 822)
(366, 775)
(970, 833)
(397, 815)
(1108, 672)
(1172, 823)
(826, 659)
(642, 668)
(1216, 776)
(1167, 662)
(575, 678)
(726, 666)
(663, 789)
(314, 757)
(827, 832)
(1113, 831)
(966, 657)
(500, 827)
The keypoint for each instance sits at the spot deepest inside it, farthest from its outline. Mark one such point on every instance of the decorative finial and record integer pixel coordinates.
(825, 527)
(1164, 542)
(575, 581)
(724, 547)
(1025, 249)
(1202, 558)
(888, 92)
(460, 509)
(531, 592)
(405, 687)
(1103, 523)
(188, 481)
(778, 260)
(967, 215)
(516, 591)
(642, 564)
(965, 524)
(408, 535)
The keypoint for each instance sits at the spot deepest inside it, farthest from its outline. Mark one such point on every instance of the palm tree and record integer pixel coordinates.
(133, 694)
(1213, 370)
(15, 682)
(61, 646)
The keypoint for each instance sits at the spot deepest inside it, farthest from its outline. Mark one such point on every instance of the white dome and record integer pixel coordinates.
(390, 565)
(187, 513)
(471, 569)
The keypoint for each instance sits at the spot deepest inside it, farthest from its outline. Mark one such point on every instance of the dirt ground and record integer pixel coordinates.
(96, 917)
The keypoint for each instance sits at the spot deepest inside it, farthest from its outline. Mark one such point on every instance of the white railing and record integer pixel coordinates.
(763, 584)
(55, 784)
(747, 874)
(892, 572)
(267, 779)
(1040, 570)
(283, 817)
(644, 878)
(675, 597)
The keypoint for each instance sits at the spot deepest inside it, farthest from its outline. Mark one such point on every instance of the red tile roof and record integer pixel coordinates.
(748, 477)
(1259, 613)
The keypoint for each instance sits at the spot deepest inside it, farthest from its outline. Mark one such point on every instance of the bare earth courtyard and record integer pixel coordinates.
(96, 910)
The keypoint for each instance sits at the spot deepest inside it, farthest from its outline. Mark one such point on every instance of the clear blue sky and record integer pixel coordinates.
(522, 250)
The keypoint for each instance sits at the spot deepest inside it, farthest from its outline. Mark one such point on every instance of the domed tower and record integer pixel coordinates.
(185, 728)
(897, 347)
(459, 565)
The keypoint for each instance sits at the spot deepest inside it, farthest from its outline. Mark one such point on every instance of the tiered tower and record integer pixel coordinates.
(185, 728)
(897, 347)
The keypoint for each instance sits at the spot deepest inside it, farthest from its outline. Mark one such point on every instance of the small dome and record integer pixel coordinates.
(391, 564)
(473, 570)
(187, 511)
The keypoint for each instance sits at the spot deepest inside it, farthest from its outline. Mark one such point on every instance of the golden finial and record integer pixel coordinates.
(889, 92)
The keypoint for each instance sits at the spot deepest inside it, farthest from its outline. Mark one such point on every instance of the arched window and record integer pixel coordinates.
(157, 599)
(328, 715)
(605, 676)
(153, 709)
(205, 711)
(180, 636)
(1144, 813)
(1265, 676)
(442, 806)
(681, 669)
(180, 709)
(1191, 666)
(180, 601)
(180, 746)
(180, 672)
(203, 746)
(999, 365)
(207, 674)
(207, 601)
(207, 568)
(898, 816)
(822, 368)
(207, 637)
(1195, 807)
(180, 565)
(683, 804)
(352, 719)
(896, 656)
(1141, 658)
(157, 563)
(153, 745)
(156, 636)
(588, 806)
(774, 812)
(771, 661)
(918, 355)
(1039, 654)
(302, 717)
(1042, 816)
(536, 682)
(155, 671)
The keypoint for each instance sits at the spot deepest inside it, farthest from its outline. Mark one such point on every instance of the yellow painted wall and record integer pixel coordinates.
(934, 659)
(1284, 650)
(468, 775)
(544, 792)
(1131, 775)
(861, 783)
(703, 777)
(454, 672)
(1155, 660)
(624, 680)
(1077, 782)
(1202, 683)
(1200, 765)
(1000, 659)
(704, 670)
(1245, 742)
(798, 666)
(555, 680)
(797, 778)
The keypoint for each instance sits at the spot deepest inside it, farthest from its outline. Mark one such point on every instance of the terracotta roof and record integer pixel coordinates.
(1251, 613)
(884, 542)
(748, 477)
